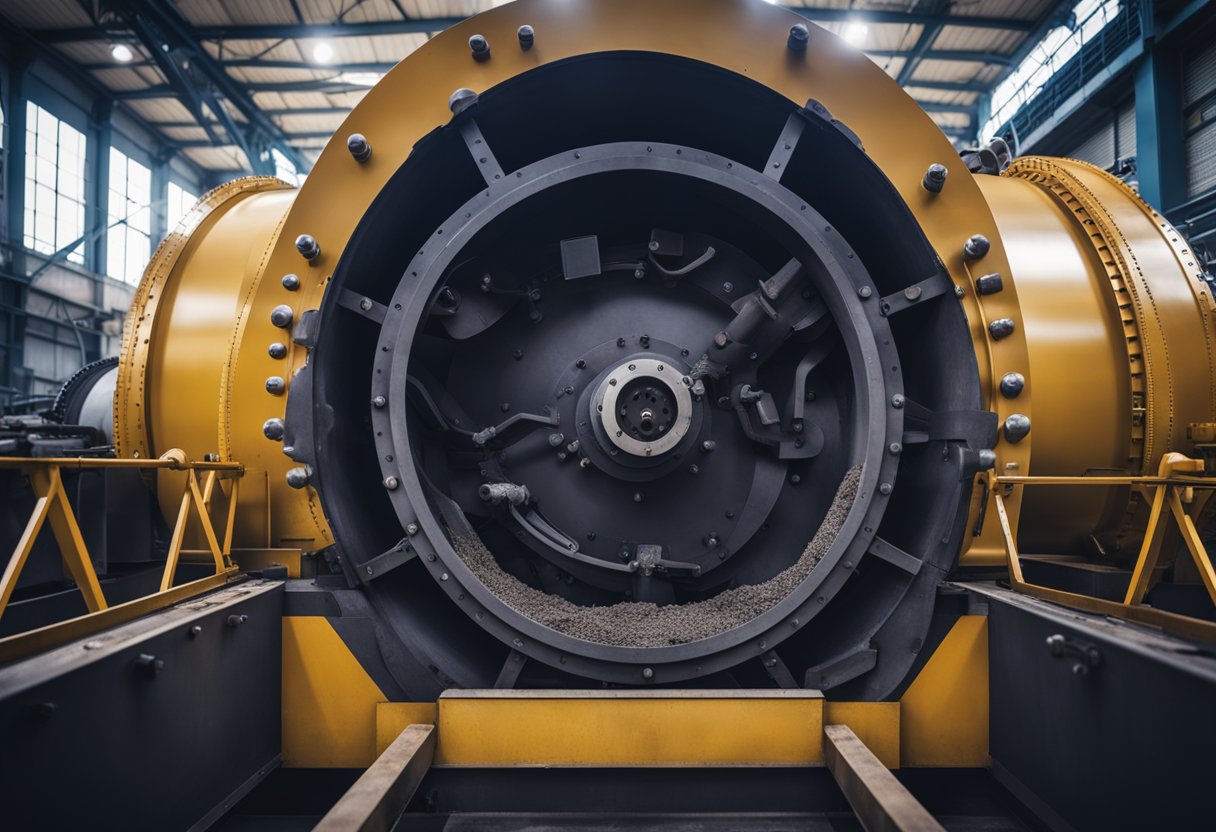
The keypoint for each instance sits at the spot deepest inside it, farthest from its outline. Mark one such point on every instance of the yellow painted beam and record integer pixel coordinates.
(944, 713)
(630, 728)
(394, 717)
(334, 715)
(875, 723)
(329, 701)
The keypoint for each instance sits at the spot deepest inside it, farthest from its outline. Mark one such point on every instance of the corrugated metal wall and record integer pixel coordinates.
(1099, 148)
(1199, 106)
(1113, 138)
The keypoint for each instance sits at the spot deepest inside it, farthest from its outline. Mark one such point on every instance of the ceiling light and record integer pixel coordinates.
(122, 53)
(855, 33)
(322, 52)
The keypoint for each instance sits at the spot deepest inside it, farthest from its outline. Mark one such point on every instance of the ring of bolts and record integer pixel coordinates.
(1015, 427)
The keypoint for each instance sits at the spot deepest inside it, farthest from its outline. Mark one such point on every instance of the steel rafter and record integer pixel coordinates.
(199, 79)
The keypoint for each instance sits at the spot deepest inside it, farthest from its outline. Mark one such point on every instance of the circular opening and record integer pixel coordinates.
(732, 425)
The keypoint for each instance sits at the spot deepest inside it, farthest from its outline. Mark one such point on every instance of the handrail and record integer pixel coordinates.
(52, 505)
(1171, 492)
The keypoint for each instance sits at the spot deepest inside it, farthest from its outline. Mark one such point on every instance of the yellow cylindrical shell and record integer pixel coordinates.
(183, 332)
(195, 361)
(1118, 324)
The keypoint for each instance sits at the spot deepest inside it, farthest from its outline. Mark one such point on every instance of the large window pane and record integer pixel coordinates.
(55, 184)
(129, 244)
(179, 202)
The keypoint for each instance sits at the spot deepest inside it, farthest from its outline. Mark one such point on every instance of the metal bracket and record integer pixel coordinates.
(479, 148)
(814, 108)
(916, 294)
(843, 668)
(777, 671)
(403, 552)
(363, 305)
(306, 329)
(511, 668)
(786, 144)
(895, 556)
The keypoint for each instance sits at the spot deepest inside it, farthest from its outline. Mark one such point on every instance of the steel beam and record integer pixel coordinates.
(881, 802)
(912, 18)
(285, 31)
(937, 107)
(378, 798)
(438, 24)
(194, 74)
(949, 86)
(966, 55)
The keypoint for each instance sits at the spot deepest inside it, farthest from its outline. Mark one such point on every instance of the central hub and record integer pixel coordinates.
(644, 406)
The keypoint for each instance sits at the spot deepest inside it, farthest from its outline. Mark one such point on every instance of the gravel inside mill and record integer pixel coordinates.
(636, 624)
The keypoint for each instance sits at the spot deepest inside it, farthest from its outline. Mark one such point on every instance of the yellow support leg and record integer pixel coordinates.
(1150, 551)
(1194, 544)
(8, 582)
(67, 534)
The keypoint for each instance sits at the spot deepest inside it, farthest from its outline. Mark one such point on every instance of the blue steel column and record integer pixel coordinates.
(16, 294)
(1160, 156)
(97, 208)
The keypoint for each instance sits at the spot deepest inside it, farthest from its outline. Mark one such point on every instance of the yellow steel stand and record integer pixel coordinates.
(1172, 491)
(46, 478)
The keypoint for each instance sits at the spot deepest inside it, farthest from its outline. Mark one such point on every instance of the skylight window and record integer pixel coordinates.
(1055, 50)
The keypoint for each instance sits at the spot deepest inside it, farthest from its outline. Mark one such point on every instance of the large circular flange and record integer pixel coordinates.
(865, 334)
(628, 438)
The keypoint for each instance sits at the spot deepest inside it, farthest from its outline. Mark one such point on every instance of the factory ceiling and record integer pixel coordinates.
(224, 81)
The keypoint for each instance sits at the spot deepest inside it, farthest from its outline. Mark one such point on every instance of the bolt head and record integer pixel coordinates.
(282, 316)
(976, 247)
(1012, 384)
(275, 385)
(307, 245)
(480, 47)
(291, 282)
(1001, 328)
(1017, 426)
(799, 37)
(359, 147)
(298, 477)
(461, 100)
(273, 429)
(935, 178)
(989, 284)
(527, 37)
(391, 483)
(277, 350)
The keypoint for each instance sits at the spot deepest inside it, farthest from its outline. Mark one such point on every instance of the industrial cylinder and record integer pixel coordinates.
(656, 345)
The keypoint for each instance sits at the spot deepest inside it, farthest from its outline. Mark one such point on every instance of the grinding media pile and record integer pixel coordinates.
(636, 624)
